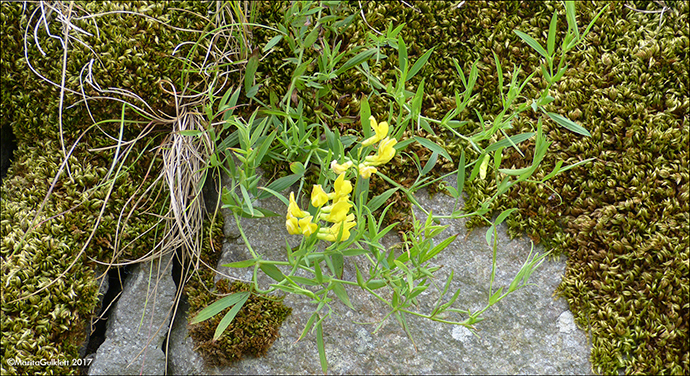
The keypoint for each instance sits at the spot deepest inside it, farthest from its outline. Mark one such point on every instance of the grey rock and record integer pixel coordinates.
(528, 332)
(139, 324)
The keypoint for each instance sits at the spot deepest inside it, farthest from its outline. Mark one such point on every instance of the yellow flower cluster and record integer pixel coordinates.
(338, 213)
(299, 221)
(383, 155)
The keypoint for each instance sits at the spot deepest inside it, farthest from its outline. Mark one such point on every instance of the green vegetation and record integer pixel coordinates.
(622, 219)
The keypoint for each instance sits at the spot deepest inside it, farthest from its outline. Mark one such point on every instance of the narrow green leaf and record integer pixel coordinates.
(364, 114)
(489, 234)
(271, 43)
(568, 124)
(402, 55)
(477, 166)
(274, 193)
(499, 73)
(570, 16)
(272, 271)
(429, 164)
(504, 214)
(551, 41)
(227, 319)
(265, 145)
(247, 200)
(461, 74)
(321, 347)
(311, 37)
(494, 298)
(433, 147)
(555, 171)
(532, 43)
(241, 264)
(518, 138)
(379, 200)
(461, 174)
(304, 281)
(341, 293)
(591, 23)
(217, 307)
(338, 262)
(279, 185)
(318, 275)
(376, 284)
(419, 64)
(250, 71)
(498, 156)
(308, 326)
(356, 60)
(301, 69)
(438, 248)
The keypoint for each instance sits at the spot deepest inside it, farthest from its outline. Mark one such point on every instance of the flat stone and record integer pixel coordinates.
(524, 333)
(139, 324)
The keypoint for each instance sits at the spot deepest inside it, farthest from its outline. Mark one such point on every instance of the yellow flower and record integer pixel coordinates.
(307, 226)
(336, 212)
(342, 187)
(331, 233)
(384, 154)
(292, 225)
(366, 171)
(381, 130)
(293, 209)
(339, 169)
(318, 196)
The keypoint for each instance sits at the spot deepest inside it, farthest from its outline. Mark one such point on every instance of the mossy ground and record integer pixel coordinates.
(622, 223)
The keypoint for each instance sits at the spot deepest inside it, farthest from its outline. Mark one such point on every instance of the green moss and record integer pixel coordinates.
(256, 325)
(35, 250)
(252, 332)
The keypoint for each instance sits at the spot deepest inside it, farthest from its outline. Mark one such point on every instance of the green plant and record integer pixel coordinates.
(355, 231)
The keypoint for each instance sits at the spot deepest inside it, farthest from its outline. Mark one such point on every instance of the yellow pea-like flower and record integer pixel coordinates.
(293, 209)
(340, 168)
(307, 226)
(336, 212)
(366, 171)
(292, 225)
(381, 130)
(318, 196)
(331, 233)
(384, 154)
(342, 187)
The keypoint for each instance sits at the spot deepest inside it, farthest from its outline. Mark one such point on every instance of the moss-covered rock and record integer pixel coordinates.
(41, 240)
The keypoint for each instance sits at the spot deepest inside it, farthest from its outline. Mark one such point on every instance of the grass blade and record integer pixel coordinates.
(532, 43)
(321, 347)
(568, 124)
(433, 147)
(227, 319)
(218, 307)
(419, 64)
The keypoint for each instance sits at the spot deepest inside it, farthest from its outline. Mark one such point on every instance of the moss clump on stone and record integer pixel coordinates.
(252, 332)
(256, 325)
